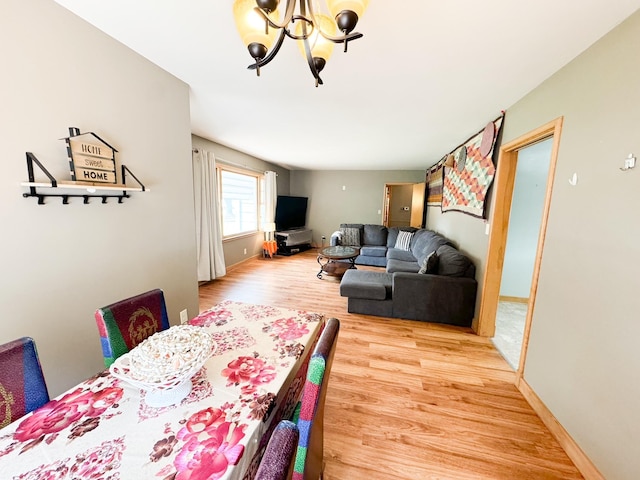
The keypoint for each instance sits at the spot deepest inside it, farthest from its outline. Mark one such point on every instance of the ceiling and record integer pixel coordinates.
(426, 75)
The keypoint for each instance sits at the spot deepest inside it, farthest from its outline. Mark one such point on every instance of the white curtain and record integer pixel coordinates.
(208, 227)
(270, 197)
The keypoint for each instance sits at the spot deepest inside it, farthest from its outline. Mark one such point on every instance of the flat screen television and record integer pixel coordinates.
(291, 212)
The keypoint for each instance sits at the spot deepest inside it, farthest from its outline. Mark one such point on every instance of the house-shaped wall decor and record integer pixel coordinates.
(92, 163)
(91, 159)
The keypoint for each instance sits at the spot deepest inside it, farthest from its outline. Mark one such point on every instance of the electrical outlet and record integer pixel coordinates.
(245, 251)
(184, 317)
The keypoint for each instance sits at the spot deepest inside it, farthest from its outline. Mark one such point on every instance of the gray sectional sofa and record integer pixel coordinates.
(430, 280)
(372, 240)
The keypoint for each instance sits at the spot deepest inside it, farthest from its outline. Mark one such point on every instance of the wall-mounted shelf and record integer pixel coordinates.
(92, 189)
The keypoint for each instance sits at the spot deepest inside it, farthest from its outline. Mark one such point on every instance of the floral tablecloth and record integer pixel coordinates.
(103, 429)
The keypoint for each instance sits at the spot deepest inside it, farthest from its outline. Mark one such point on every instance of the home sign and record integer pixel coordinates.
(91, 159)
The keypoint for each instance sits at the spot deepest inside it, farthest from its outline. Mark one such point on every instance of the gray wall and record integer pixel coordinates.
(527, 204)
(361, 200)
(234, 249)
(583, 358)
(61, 262)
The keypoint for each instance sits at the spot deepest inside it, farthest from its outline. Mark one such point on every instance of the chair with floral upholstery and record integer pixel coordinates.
(308, 464)
(278, 457)
(22, 384)
(124, 324)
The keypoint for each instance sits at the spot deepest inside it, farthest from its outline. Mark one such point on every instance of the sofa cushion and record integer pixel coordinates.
(350, 236)
(374, 235)
(373, 251)
(404, 255)
(452, 263)
(426, 241)
(403, 242)
(395, 265)
(430, 264)
(366, 284)
(371, 261)
(392, 234)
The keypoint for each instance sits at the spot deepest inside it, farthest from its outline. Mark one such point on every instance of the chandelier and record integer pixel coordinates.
(263, 32)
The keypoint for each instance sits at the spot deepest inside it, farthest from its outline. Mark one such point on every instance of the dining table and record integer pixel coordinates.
(103, 429)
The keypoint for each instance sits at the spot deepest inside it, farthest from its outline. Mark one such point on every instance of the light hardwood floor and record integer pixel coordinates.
(406, 400)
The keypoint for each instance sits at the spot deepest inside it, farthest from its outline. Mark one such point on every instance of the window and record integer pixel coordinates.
(239, 195)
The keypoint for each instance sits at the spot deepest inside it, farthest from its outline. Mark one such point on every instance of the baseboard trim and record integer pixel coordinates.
(230, 268)
(504, 298)
(575, 453)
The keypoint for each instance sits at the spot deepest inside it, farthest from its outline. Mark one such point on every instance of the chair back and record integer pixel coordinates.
(308, 464)
(124, 324)
(277, 460)
(22, 384)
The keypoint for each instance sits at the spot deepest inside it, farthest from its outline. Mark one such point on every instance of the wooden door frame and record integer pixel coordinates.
(499, 225)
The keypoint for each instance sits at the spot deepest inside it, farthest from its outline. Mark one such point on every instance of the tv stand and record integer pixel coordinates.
(293, 241)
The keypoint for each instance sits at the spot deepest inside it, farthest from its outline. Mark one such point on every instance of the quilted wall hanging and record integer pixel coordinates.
(434, 185)
(466, 183)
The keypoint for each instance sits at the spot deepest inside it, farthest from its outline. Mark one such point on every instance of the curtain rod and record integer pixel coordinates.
(234, 164)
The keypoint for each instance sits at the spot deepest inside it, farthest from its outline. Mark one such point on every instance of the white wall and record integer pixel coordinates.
(61, 262)
(527, 204)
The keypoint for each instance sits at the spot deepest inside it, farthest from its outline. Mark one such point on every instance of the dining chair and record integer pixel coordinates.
(22, 384)
(124, 324)
(278, 457)
(308, 464)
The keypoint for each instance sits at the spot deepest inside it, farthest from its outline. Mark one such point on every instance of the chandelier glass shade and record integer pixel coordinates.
(262, 29)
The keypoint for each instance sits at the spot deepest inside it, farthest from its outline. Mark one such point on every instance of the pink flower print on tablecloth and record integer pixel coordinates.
(200, 421)
(55, 471)
(215, 316)
(208, 454)
(310, 317)
(257, 312)
(232, 339)
(289, 328)
(57, 415)
(254, 371)
(101, 462)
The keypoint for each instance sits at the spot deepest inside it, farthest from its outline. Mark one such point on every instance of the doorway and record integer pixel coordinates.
(499, 226)
(529, 191)
(403, 204)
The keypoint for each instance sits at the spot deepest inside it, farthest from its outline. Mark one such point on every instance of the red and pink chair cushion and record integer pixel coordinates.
(22, 384)
(308, 463)
(124, 324)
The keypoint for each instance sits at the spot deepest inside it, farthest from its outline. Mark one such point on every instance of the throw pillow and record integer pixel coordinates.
(430, 264)
(350, 236)
(403, 241)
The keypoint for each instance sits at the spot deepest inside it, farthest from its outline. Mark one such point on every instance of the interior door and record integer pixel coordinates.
(417, 204)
